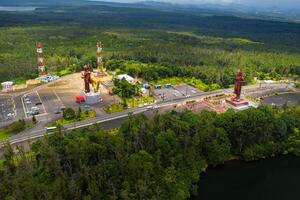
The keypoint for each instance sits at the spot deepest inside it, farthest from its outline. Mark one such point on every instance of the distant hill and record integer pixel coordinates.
(232, 9)
(40, 2)
(241, 10)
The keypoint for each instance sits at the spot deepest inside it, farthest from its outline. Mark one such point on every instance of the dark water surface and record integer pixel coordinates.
(270, 179)
(279, 100)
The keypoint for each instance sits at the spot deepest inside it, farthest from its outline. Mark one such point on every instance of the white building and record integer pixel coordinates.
(128, 78)
(7, 86)
(269, 81)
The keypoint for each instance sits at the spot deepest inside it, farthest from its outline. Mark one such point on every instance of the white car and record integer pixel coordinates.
(34, 108)
(10, 115)
(149, 107)
(156, 106)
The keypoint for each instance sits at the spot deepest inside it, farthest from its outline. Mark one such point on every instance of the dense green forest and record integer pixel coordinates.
(157, 158)
(163, 43)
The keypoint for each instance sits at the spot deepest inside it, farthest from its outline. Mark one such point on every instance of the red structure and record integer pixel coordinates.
(237, 101)
(40, 62)
(80, 99)
(239, 81)
(86, 76)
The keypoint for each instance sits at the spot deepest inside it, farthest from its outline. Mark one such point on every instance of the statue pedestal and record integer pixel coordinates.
(237, 103)
(99, 74)
(92, 97)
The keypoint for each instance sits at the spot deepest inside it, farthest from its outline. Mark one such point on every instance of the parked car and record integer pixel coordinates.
(35, 112)
(57, 112)
(10, 115)
(34, 108)
(149, 107)
(156, 106)
(86, 106)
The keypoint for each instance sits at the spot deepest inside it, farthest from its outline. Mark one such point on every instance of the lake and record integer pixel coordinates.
(271, 179)
(17, 8)
(280, 99)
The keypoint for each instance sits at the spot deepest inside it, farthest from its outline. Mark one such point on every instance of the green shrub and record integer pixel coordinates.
(69, 114)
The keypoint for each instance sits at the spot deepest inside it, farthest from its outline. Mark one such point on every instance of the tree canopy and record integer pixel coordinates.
(146, 158)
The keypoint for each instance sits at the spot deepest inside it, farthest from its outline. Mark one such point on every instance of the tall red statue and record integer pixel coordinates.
(239, 80)
(88, 79)
(86, 76)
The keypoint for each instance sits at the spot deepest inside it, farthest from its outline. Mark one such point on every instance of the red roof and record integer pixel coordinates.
(80, 98)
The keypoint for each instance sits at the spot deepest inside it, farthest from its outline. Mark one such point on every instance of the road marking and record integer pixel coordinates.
(56, 95)
(41, 101)
(42, 132)
(59, 99)
(36, 131)
(25, 110)
(40, 115)
(14, 104)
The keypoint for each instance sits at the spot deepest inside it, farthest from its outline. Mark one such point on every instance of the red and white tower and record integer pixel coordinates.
(40, 63)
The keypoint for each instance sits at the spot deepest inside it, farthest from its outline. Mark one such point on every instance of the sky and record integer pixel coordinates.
(252, 3)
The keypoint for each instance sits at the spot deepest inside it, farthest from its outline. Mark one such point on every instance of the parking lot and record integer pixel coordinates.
(7, 109)
(175, 92)
(33, 104)
(187, 90)
(51, 101)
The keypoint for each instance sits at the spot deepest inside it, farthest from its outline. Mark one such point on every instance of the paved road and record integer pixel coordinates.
(105, 119)
(39, 129)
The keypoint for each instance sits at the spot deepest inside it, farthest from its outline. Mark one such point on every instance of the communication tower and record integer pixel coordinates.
(40, 62)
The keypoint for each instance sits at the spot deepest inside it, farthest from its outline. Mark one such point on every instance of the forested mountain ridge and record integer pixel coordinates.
(210, 47)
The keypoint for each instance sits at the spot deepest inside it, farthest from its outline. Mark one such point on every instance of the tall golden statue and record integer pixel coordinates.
(89, 78)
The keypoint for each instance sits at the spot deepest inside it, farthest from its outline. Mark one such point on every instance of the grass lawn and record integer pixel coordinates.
(64, 72)
(132, 103)
(87, 114)
(135, 102)
(114, 107)
(1, 163)
(3, 134)
(14, 128)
